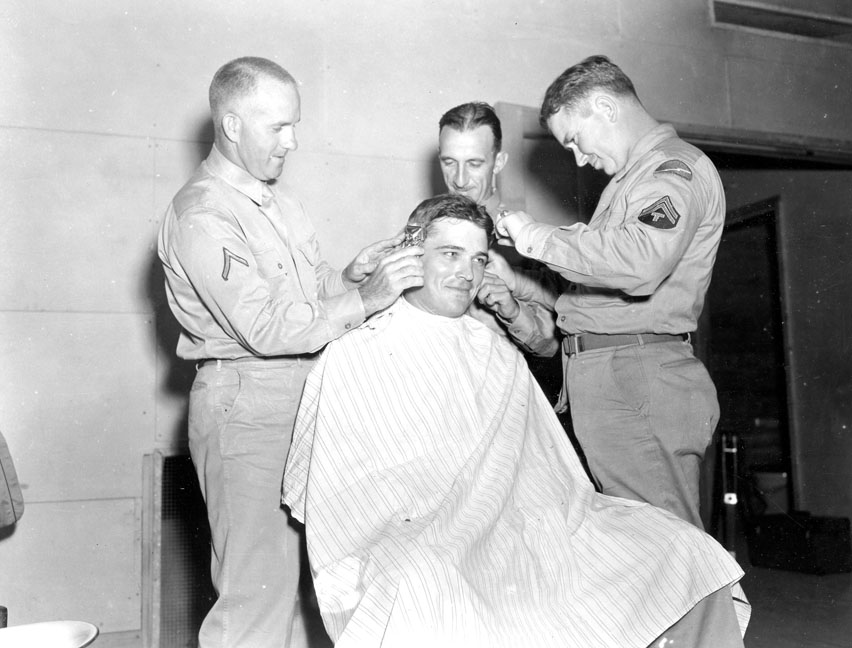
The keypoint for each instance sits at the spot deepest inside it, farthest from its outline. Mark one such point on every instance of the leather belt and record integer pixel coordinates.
(257, 360)
(574, 344)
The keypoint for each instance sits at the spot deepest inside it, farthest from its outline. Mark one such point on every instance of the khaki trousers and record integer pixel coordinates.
(241, 419)
(644, 416)
(712, 623)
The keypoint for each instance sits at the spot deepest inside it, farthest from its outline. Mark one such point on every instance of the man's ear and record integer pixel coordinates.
(231, 126)
(500, 161)
(607, 106)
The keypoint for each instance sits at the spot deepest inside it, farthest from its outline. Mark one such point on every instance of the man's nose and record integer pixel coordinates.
(581, 158)
(466, 271)
(461, 177)
(288, 139)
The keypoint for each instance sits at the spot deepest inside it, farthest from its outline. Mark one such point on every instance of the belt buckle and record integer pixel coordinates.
(572, 345)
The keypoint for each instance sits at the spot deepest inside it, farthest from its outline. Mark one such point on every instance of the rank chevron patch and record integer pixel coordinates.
(677, 167)
(662, 214)
(226, 270)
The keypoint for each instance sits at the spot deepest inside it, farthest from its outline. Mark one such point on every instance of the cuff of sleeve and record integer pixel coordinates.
(522, 327)
(337, 285)
(345, 312)
(533, 238)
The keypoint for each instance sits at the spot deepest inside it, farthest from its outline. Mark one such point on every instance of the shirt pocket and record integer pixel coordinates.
(306, 252)
(305, 258)
(271, 263)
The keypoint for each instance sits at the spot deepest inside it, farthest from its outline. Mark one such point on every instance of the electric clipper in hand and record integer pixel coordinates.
(414, 235)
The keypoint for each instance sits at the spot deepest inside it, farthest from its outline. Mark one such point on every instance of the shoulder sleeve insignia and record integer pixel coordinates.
(226, 269)
(662, 214)
(677, 167)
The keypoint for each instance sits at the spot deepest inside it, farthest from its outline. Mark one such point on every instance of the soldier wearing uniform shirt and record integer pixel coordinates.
(256, 301)
(470, 140)
(643, 407)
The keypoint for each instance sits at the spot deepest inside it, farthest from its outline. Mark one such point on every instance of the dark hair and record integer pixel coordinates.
(579, 81)
(471, 115)
(445, 206)
(239, 78)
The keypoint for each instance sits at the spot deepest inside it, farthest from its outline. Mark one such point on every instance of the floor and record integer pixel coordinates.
(795, 610)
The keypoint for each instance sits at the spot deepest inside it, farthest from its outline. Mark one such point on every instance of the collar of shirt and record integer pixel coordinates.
(492, 204)
(238, 178)
(648, 141)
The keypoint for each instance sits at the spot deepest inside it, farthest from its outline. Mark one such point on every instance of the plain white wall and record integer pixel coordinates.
(103, 116)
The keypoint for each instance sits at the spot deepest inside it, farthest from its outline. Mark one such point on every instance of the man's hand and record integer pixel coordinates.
(497, 265)
(509, 224)
(392, 274)
(368, 259)
(495, 295)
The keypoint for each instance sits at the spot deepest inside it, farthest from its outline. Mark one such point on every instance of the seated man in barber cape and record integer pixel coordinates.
(444, 505)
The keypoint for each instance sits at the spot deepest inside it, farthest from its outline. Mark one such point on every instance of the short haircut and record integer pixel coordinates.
(577, 82)
(239, 78)
(469, 116)
(447, 206)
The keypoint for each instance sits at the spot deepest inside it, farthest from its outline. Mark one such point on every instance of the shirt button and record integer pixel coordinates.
(280, 265)
(562, 319)
(529, 249)
(347, 326)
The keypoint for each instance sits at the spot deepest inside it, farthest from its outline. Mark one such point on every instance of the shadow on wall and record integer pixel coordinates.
(179, 377)
(568, 192)
(203, 138)
(180, 373)
(436, 178)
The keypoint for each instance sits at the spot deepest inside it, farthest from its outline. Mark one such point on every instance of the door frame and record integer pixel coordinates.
(774, 208)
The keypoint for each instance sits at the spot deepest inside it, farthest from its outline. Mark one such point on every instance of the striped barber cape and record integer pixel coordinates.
(445, 506)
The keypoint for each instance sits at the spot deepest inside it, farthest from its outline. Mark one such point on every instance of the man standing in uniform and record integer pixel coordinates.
(643, 407)
(255, 300)
(470, 140)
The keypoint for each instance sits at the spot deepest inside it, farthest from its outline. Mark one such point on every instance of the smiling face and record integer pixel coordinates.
(454, 259)
(589, 132)
(262, 128)
(469, 161)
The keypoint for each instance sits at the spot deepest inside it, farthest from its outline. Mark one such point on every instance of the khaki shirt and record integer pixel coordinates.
(244, 274)
(643, 263)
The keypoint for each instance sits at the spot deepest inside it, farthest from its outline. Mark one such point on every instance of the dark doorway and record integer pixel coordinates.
(744, 350)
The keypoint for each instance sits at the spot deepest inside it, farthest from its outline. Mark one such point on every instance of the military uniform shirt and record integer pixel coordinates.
(643, 263)
(244, 275)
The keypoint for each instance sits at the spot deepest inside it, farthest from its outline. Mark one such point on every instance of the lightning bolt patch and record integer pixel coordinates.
(226, 269)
